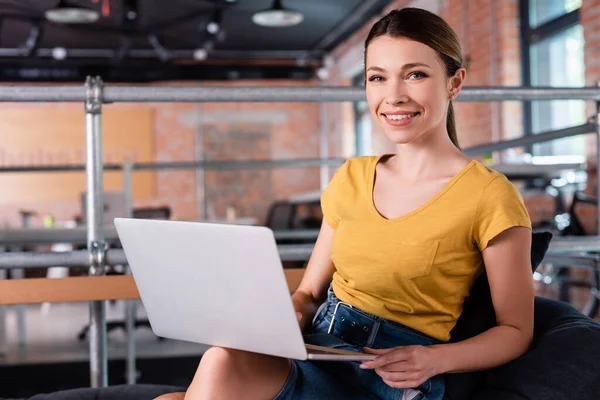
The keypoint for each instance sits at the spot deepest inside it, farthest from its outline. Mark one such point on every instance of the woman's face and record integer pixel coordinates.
(407, 88)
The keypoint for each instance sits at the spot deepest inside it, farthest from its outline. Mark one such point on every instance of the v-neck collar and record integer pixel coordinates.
(371, 183)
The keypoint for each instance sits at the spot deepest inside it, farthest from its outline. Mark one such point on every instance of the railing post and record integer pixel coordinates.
(95, 227)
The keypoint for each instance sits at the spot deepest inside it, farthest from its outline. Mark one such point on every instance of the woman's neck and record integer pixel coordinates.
(427, 158)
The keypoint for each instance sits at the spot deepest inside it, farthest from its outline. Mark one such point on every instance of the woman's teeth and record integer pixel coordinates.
(398, 117)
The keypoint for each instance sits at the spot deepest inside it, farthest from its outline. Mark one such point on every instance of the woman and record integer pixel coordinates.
(403, 238)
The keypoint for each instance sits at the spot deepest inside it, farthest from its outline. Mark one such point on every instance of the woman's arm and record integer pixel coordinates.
(508, 265)
(317, 277)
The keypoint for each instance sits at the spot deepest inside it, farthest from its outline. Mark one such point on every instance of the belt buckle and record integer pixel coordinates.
(334, 314)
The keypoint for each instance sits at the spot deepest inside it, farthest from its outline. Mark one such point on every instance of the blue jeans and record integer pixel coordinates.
(353, 329)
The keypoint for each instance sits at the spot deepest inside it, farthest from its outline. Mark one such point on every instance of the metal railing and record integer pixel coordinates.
(30, 236)
(309, 94)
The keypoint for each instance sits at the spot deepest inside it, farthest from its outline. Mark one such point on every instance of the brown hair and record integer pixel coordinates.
(431, 30)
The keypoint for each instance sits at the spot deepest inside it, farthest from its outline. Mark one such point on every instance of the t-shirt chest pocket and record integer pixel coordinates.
(382, 252)
(414, 260)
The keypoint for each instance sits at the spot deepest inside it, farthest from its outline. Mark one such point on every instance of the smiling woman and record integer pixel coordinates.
(403, 237)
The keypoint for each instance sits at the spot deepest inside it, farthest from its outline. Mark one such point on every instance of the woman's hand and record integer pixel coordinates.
(300, 319)
(304, 308)
(404, 367)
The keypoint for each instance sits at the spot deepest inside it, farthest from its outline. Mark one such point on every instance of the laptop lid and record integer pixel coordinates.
(221, 285)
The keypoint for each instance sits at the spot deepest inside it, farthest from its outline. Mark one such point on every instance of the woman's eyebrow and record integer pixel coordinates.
(404, 67)
(413, 65)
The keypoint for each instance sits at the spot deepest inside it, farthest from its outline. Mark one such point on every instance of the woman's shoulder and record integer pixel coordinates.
(485, 176)
(493, 187)
(358, 162)
(357, 167)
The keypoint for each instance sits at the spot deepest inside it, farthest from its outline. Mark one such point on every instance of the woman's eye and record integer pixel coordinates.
(375, 78)
(416, 75)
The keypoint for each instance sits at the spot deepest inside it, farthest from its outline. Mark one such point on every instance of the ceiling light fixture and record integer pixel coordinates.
(200, 54)
(130, 12)
(213, 28)
(277, 16)
(59, 53)
(64, 13)
(214, 25)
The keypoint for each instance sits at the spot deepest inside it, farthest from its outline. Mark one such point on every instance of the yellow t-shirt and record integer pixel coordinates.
(416, 269)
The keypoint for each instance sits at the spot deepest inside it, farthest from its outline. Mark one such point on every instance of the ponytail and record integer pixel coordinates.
(451, 126)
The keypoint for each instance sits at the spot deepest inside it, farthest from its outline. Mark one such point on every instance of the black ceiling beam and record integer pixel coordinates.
(87, 28)
(15, 7)
(107, 53)
(175, 21)
(152, 73)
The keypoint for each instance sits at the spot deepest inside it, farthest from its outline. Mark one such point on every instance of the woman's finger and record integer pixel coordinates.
(401, 366)
(398, 376)
(396, 355)
(369, 350)
(402, 384)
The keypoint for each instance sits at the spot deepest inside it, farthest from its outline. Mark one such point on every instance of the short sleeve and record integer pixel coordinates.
(500, 207)
(331, 196)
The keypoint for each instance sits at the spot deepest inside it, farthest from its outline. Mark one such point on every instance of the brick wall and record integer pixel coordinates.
(175, 141)
(473, 120)
(235, 131)
(489, 35)
(590, 19)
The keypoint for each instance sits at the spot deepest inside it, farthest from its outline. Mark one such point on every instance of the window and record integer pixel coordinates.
(362, 122)
(552, 43)
(542, 11)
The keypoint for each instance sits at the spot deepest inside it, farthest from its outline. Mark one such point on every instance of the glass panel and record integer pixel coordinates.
(541, 11)
(559, 62)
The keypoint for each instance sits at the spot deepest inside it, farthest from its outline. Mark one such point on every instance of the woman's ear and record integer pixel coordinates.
(455, 82)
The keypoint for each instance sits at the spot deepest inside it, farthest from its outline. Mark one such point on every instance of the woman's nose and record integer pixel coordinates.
(396, 95)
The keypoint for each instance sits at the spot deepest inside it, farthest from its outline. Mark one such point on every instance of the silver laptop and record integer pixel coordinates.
(216, 284)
